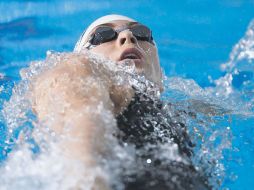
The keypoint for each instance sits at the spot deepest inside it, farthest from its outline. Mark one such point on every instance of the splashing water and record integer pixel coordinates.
(31, 146)
(212, 108)
(35, 148)
(34, 144)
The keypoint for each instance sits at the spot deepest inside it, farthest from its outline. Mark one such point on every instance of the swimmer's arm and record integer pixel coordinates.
(70, 94)
(75, 100)
(77, 86)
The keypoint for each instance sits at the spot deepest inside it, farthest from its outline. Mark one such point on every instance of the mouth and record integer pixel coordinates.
(132, 54)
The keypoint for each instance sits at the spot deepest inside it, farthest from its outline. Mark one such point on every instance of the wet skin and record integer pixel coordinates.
(71, 93)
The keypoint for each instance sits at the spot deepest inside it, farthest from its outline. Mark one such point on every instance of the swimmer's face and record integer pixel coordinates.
(126, 48)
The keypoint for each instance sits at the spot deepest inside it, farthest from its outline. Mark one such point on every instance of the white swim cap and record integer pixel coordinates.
(102, 20)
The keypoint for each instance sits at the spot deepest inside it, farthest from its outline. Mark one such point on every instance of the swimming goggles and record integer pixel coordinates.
(106, 34)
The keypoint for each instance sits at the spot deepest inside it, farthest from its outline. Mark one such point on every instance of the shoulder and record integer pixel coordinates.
(150, 120)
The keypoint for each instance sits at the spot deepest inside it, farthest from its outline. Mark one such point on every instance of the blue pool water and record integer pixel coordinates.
(195, 38)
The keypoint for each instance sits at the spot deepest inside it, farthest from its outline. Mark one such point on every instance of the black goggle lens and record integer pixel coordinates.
(105, 34)
(142, 33)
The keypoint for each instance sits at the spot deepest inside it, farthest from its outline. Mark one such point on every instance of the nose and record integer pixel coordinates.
(126, 37)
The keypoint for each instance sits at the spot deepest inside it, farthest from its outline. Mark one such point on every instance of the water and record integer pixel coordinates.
(203, 49)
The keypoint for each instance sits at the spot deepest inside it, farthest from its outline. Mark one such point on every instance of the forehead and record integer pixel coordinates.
(116, 24)
(119, 23)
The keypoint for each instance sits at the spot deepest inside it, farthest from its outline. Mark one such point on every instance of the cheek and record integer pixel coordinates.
(107, 50)
(151, 54)
(99, 50)
(152, 67)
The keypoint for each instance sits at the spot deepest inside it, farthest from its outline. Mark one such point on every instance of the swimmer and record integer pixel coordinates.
(69, 91)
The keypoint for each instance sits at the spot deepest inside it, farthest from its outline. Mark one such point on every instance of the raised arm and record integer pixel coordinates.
(73, 101)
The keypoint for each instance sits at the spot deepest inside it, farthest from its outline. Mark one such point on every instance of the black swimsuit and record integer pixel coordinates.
(144, 123)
